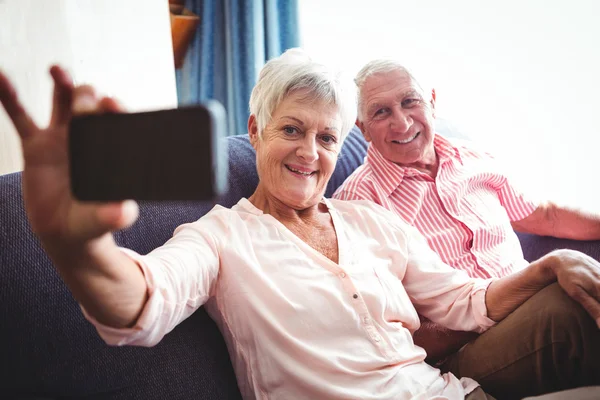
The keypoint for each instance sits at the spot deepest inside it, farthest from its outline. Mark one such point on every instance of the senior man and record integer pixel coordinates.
(467, 209)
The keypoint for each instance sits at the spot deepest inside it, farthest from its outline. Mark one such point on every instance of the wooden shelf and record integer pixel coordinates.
(183, 27)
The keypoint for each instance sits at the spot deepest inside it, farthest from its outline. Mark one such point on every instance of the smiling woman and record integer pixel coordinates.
(298, 151)
(519, 77)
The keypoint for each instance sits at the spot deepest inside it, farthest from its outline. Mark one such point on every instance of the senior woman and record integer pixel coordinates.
(314, 296)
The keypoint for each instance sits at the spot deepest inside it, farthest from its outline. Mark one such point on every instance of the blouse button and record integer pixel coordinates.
(355, 296)
(343, 275)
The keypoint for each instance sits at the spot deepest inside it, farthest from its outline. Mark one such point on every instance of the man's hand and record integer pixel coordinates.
(579, 276)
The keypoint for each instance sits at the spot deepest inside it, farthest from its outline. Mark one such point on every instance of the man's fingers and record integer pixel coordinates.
(15, 110)
(591, 305)
(63, 96)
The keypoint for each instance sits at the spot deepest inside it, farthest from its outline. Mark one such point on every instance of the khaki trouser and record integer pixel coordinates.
(586, 393)
(548, 344)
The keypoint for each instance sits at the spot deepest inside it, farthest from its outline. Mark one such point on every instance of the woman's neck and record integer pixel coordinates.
(270, 204)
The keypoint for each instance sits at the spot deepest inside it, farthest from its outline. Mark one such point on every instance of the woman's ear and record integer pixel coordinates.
(253, 130)
(433, 102)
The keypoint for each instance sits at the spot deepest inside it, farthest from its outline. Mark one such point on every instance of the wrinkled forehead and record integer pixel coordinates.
(393, 83)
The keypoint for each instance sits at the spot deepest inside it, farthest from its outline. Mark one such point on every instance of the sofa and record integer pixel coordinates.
(49, 351)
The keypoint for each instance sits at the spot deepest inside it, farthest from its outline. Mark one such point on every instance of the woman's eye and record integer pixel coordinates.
(328, 139)
(290, 130)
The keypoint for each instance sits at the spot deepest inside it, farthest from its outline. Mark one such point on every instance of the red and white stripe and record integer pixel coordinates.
(464, 214)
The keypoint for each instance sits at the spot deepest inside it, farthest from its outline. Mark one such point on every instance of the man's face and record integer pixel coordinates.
(397, 119)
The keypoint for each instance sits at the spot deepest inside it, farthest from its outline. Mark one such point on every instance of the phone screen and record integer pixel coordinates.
(161, 155)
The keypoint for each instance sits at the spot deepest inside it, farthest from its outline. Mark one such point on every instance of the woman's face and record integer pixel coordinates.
(297, 151)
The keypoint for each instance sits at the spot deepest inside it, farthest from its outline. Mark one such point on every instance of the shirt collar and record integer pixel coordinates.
(445, 149)
(389, 175)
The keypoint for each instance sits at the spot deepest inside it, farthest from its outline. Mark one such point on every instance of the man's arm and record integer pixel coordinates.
(577, 274)
(440, 342)
(561, 222)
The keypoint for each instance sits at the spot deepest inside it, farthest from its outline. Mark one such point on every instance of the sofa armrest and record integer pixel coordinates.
(535, 246)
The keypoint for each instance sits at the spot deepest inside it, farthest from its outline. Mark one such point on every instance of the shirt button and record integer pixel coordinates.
(343, 275)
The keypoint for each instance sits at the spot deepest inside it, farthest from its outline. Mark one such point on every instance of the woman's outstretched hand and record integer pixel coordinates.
(53, 212)
(76, 235)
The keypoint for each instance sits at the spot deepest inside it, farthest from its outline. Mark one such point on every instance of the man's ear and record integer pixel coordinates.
(361, 126)
(253, 130)
(433, 102)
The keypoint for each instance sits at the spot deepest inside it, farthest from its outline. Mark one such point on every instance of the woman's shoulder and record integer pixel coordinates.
(219, 219)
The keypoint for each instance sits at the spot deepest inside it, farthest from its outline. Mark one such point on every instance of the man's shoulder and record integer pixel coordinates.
(357, 185)
(366, 209)
(470, 149)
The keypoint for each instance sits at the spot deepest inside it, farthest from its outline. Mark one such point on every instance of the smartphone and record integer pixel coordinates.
(177, 154)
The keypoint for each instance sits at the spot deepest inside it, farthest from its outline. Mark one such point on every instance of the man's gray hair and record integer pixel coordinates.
(382, 66)
(293, 71)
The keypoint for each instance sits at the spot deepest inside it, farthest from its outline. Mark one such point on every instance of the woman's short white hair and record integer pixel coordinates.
(384, 66)
(294, 70)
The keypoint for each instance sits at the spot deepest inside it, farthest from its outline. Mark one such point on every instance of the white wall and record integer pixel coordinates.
(520, 76)
(122, 47)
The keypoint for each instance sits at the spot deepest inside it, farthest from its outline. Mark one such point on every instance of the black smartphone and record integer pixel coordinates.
(176, 154)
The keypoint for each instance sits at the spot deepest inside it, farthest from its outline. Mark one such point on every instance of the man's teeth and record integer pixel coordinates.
(298, 172)
(410, 139)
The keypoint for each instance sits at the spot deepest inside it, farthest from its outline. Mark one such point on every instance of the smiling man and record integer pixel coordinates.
(467, 209)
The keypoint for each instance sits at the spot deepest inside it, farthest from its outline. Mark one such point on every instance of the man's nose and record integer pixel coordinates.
(307, 149)
(401, 120)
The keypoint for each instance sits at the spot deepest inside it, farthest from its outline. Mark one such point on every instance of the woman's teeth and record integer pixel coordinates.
(410, 139)
(298, 172)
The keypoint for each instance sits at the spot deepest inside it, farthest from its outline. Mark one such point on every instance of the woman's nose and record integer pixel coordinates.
(307, 149)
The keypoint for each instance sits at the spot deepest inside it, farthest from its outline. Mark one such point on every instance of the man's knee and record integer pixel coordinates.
(566, 333)
(560, 314)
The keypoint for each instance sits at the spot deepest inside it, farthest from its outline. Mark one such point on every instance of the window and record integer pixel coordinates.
(521, 77)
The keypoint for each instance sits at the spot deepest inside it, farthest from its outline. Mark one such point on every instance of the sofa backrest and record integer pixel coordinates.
(48, 350)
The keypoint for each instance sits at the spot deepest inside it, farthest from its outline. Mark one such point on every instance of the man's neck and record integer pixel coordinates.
(428, 165)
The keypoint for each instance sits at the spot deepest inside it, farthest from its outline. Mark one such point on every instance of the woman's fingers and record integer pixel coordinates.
(111, 105)
(15, 110)
(62, 98)
(91, 220)
(121, 216)
(85, 100)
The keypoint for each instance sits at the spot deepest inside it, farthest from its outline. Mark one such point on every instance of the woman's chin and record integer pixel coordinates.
(301, 200)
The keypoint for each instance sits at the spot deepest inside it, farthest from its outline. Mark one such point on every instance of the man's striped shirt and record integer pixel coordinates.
(464, 213)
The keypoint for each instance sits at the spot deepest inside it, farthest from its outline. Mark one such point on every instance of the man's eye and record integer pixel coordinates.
(409, 102)
(380, 111)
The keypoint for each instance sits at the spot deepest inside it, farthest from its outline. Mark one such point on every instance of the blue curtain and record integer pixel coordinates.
(233, 41)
